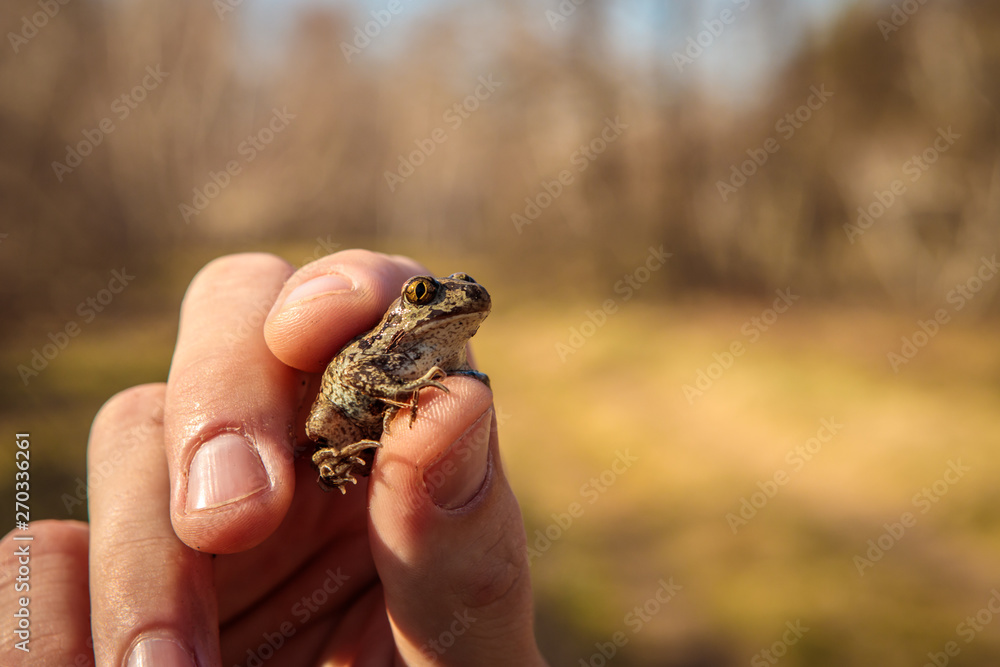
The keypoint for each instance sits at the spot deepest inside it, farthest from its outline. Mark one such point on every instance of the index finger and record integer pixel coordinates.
(235, 397)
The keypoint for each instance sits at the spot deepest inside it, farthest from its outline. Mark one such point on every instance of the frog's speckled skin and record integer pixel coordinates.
(421, 339)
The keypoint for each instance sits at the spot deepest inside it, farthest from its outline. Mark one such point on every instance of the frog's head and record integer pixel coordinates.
(458, 300)
(427, 299)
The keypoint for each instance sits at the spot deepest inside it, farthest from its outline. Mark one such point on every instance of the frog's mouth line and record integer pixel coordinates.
(436, 319)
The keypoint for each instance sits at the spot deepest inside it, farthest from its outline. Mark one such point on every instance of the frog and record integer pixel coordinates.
(421, 339)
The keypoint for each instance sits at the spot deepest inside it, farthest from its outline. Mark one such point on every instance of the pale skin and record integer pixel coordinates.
(422, 563)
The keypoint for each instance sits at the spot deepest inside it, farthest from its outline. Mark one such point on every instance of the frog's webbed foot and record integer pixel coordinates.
(337, 466)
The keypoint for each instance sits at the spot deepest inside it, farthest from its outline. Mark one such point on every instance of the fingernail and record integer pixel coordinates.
(158, 652)
(328, 284)
(456, 477)
(225, 469)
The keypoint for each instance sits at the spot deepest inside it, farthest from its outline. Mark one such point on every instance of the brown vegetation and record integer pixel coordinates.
(657, 183)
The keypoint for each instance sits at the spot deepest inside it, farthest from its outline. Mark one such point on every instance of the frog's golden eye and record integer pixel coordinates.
(420, 290)
(463, 276)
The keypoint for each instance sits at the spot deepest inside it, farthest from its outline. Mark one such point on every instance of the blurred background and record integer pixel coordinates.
(742, 254)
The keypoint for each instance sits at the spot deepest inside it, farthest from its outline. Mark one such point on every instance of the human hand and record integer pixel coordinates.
(422, 563)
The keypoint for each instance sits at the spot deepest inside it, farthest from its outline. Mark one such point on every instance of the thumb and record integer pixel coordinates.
(447, 535)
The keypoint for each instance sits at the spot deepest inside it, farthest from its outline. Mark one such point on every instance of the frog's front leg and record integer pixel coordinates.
(429, 379)
(337, 465)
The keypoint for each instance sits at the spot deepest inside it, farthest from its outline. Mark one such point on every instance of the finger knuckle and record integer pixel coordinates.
(59, 546)
(46, 580)
(234, 268)
(139, 404)
(500, 579)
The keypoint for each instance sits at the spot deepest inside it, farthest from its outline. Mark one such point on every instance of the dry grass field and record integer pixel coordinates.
(630, 490)
(921, 441)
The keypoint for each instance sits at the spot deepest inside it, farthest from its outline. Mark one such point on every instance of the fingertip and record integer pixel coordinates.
(53, 597)
(232, 270)
(146, 401)
(69, 539)
(441, 459)
(327, 302)
(456, 477)
(234, 493)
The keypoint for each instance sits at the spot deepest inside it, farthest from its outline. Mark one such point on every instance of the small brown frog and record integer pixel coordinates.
(420, 340)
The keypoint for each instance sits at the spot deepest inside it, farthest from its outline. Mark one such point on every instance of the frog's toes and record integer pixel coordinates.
(337, 466)
(329, 483)
(357, 448)
(390, 413)
(435, 384)
(429, 379)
